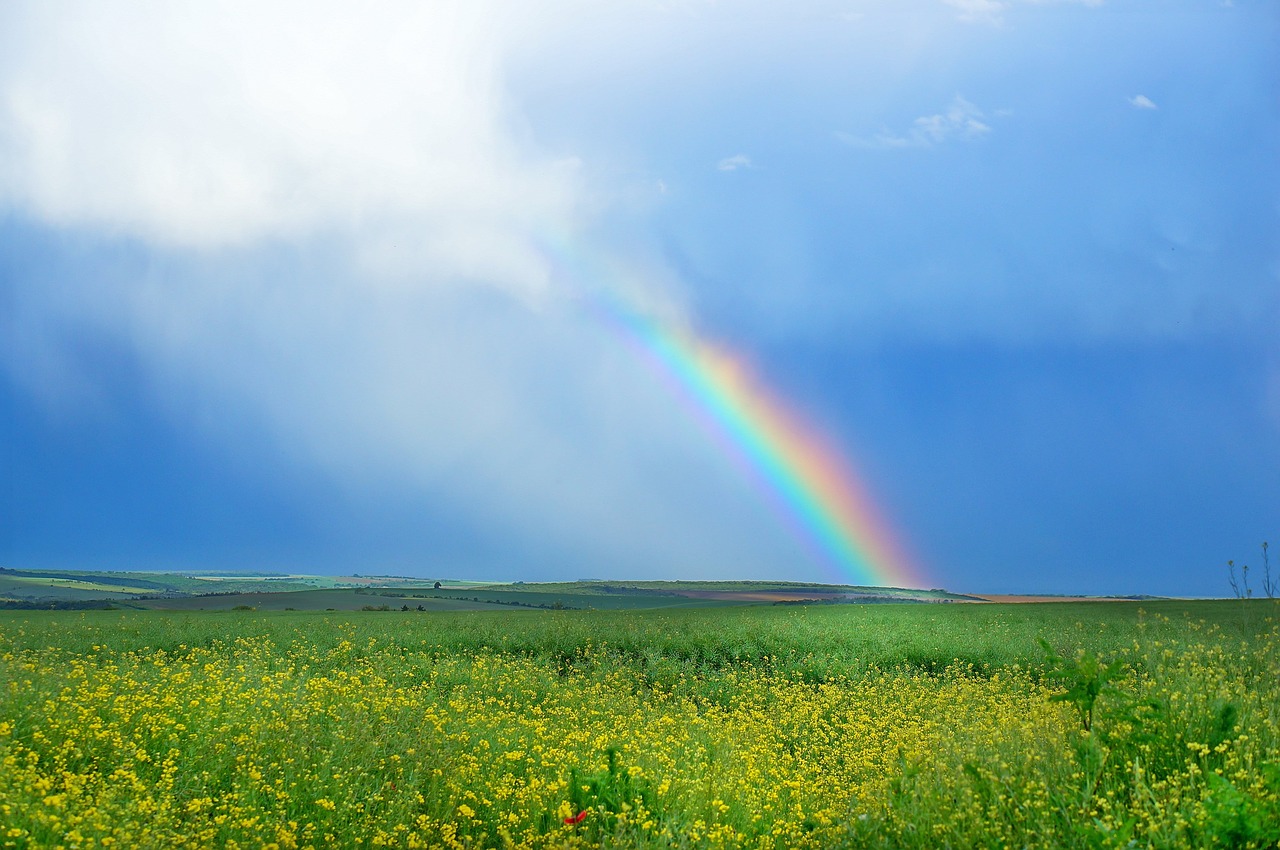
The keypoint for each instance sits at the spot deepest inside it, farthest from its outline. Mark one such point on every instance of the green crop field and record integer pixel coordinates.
(1141, 724)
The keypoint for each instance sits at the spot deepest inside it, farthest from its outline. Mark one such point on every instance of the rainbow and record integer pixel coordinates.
(810, 484)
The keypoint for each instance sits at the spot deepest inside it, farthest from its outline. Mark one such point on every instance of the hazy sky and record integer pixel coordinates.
(286, 286)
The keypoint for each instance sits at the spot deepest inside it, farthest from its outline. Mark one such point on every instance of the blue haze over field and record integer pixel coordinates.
(274, 291)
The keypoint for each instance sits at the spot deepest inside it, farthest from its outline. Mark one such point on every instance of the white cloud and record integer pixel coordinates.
(992, 11)
(961, 121)
(978, 10)
(1141, 101)
(202, 126)
(733, 163)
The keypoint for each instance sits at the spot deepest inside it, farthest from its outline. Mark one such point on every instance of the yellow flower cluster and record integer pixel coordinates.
(246, 742)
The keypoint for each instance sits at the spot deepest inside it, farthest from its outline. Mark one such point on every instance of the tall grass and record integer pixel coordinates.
(811, 639)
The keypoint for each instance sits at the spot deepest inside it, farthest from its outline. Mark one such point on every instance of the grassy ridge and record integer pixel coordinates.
(52, 585)
(820, 726)
(431, 599)
(201, 591)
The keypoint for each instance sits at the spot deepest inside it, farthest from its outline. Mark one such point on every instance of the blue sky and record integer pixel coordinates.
(275, 291)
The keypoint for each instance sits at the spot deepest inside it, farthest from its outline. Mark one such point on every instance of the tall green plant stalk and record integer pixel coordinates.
(1085, 677)
(1268, 586)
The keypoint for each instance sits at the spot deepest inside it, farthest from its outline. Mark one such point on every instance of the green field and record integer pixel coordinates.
(53, 586)
(729, 726)
(33, 589)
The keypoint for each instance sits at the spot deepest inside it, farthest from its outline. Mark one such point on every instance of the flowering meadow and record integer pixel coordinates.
(770, 727)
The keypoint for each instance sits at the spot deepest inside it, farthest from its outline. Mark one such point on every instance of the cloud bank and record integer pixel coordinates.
(205, 127)
(416, 334)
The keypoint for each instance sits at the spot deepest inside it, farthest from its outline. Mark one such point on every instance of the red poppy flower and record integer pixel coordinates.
(578, 818)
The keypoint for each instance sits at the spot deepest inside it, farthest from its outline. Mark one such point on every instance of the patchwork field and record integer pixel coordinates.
(277, 592)
(44, 588)
(741, 726)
